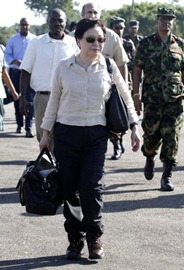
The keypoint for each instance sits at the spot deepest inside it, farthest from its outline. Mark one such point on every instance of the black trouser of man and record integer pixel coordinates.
(80, 152)
(15, 77)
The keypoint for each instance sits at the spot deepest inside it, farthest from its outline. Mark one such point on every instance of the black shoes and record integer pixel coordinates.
(149, 168)
(119, 149)
(75, 250)
(117, 153)
(95, 247)
(19, 130)
(166, 184)
(29, 134)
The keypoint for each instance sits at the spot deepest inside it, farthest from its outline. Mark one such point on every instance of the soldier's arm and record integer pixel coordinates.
(136, 86)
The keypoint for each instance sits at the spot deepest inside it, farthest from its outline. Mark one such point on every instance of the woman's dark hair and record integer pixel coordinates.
(85, 24)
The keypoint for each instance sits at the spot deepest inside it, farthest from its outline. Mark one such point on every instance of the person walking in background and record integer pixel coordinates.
(5, 79)
(113, 48)
(133, 33)
(40, 60)
(161, 57)
(76, 111)
(117, 24)
(14, 53)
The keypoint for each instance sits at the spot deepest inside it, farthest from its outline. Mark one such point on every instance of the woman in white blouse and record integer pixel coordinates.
(76, 114)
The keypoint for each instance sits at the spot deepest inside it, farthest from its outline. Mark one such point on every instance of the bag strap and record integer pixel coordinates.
(44, 151)
(109, 69)
(109, 66)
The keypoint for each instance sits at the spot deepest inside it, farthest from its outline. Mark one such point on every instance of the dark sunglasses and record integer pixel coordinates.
(119, 28)
(93, 39)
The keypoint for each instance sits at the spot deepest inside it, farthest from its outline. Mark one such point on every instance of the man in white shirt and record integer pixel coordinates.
(40, 60)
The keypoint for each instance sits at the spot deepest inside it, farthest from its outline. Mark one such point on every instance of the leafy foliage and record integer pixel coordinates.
(145, 13)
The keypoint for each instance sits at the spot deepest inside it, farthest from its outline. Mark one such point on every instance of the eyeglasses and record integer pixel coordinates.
(93, 39)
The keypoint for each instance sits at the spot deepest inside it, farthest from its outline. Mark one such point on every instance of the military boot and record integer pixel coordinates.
(149, 168)
(117, 150)
(75, 250)
(122, 143)
(166, 184)
(95, 247)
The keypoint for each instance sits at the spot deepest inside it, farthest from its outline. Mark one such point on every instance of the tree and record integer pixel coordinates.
(44, 6)
(146, 13)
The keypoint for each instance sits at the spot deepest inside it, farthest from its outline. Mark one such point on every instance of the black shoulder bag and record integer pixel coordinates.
(116, 109)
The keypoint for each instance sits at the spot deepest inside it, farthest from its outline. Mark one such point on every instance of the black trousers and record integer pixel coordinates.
(80, 151)
(15, 77)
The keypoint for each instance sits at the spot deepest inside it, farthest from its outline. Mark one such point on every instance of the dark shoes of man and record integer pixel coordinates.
(119, 149)
(29, 134)
(149, 168)
(166, 184)
(76, 248)
(19, 130)
(95, 247)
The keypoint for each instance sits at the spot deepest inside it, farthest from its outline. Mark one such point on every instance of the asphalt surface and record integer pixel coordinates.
(144, 227)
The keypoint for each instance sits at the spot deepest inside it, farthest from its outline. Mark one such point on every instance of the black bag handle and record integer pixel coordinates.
(44, 151)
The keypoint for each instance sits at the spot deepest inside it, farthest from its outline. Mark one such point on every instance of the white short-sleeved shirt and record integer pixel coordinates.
(43, 55)
(114, 49)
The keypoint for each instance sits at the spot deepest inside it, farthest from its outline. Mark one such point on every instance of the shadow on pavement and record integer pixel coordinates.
(164, 201)
(41, 262)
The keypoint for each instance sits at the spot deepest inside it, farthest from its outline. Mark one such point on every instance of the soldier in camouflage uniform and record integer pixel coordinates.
(161, 57)
(133, 33)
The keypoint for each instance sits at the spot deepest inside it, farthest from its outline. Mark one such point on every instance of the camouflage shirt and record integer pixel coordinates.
(162, 65)
(136, 40)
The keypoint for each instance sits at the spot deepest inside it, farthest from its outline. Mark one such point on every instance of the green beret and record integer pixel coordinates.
(165, 12)
(117, 21)
(133, 23)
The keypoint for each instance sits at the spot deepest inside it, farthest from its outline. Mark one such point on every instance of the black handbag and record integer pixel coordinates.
(39, 186)
(116, 109)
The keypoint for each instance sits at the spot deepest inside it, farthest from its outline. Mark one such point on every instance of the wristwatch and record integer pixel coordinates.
(133, 124)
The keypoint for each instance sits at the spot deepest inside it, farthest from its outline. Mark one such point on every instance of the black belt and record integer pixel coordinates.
(43, 92)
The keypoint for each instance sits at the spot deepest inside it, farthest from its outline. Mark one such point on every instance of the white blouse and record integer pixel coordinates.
(78, 96)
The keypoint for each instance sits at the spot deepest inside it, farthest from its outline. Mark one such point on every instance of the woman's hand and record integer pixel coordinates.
(135, 139)
(45, 140)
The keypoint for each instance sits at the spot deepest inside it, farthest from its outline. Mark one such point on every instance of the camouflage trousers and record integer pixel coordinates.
(161, 125)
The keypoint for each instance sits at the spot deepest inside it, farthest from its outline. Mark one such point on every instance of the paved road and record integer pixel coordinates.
(143, 226)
